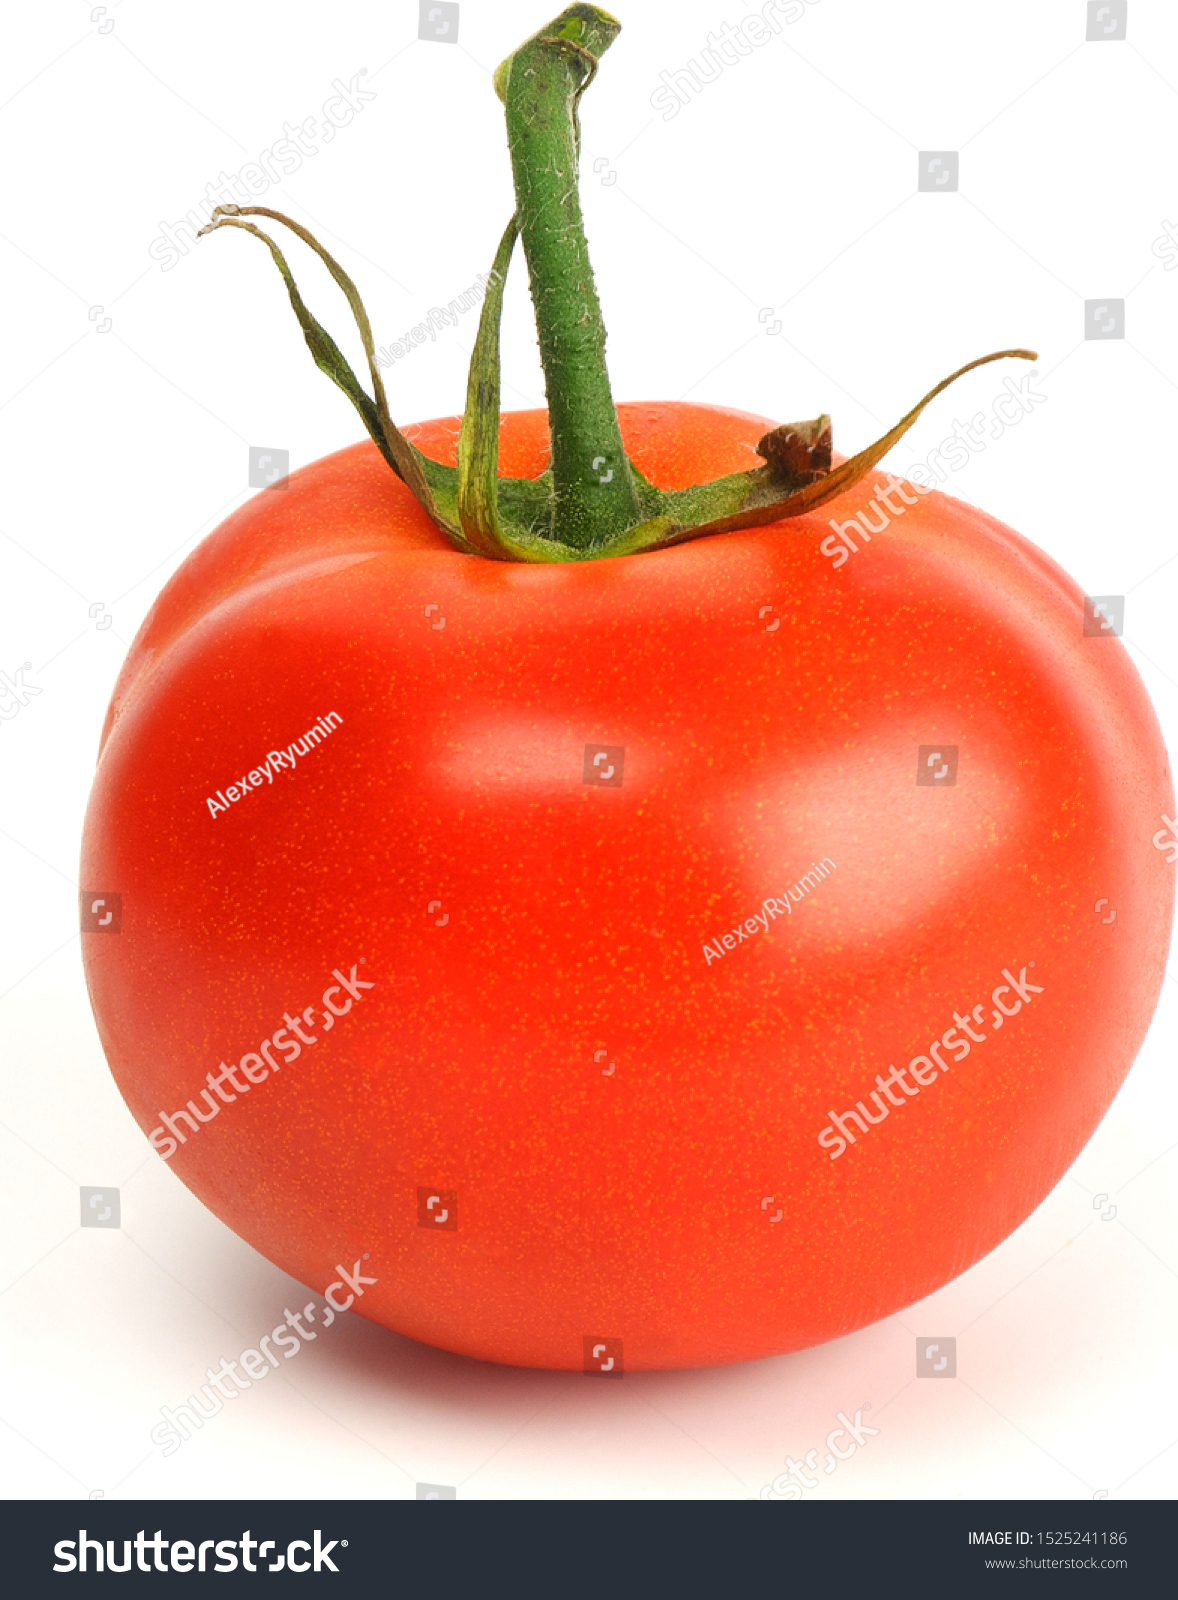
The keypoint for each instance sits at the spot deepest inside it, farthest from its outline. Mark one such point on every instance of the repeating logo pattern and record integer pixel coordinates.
(936, 1358)
(437, 1210)
(438, 21)
(1106, 911)
(100, 1207)
(1104, 616)
(604, 765)
(936, 766)
(101, 911)
(268, 468)
(937, 172)
(602, 1356)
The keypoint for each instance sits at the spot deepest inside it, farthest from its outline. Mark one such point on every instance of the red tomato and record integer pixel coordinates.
(629, 1137)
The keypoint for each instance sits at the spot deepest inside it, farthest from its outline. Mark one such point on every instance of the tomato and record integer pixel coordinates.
(547, 817)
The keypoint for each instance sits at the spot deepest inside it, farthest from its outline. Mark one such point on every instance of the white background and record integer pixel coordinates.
(790, 182)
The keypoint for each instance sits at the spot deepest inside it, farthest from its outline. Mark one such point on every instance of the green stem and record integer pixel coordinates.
(540, 86)
(592, 503)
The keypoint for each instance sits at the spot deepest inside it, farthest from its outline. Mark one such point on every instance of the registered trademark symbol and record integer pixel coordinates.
(343, 1541)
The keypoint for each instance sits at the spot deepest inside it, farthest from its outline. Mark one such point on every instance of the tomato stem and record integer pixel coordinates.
(592, 502)
(541, 84)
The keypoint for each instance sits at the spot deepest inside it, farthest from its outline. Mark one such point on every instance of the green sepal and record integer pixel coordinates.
(433, 485)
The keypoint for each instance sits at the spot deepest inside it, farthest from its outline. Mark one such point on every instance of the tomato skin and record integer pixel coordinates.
(626, 1205)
